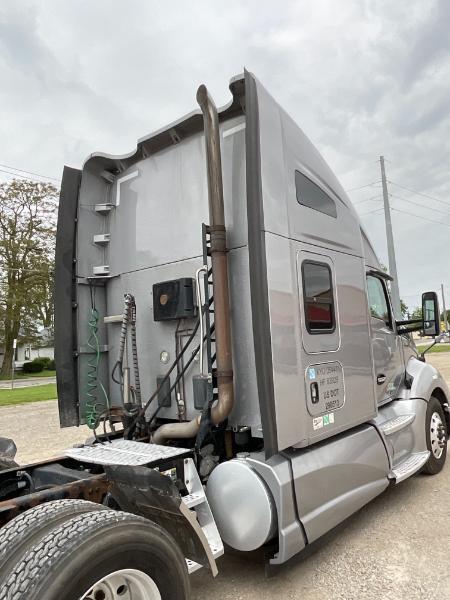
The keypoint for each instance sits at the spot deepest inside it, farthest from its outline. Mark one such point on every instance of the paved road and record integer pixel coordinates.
(22, 383)
(396, 548)
(35, 429)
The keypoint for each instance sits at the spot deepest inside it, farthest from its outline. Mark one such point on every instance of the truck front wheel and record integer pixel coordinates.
(102, 555)
(436, 436)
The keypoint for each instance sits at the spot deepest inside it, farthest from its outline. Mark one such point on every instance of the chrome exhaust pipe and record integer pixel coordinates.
(219, 259)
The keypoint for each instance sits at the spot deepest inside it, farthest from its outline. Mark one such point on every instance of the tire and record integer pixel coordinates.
(26, 530)
(7, 463)
(435, 413)
(80, 553)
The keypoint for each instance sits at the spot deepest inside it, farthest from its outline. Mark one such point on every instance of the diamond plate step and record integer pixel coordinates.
(192, 500)
(396, 424)
(124, 452)
(196, 500)
(217, 551)
(409, 466)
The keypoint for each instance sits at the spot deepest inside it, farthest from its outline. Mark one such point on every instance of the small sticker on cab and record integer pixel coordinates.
(317, 423)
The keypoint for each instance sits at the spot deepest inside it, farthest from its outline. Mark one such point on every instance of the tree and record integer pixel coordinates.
(417, 313)
(27, 245)
(443, 315)
(403, 308)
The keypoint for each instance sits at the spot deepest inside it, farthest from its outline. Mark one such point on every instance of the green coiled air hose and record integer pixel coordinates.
(94, 406)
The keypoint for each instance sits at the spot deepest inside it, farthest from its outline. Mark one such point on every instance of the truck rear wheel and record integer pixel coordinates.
(102, 555)
(27, 529)
(436, 436)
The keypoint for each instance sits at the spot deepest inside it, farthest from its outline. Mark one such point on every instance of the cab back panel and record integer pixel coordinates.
(157, 207)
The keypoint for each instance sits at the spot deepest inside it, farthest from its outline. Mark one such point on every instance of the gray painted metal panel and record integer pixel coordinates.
(426, 378)
(285, 149)
(336, 478)
(349, 344)
(277, 474)
(410, 439)
(292, 229)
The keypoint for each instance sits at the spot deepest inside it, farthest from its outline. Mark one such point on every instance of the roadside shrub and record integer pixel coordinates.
(45, 360)
(33, 367)
(51, 365)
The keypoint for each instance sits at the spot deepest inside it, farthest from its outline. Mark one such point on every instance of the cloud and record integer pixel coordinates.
(362, 78)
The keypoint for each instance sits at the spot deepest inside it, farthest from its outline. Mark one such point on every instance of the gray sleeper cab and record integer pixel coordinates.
(323, 378)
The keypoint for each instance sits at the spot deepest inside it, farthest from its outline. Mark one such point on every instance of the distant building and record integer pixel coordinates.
(41, 347)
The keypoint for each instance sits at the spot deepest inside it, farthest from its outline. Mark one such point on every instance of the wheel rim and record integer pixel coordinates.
(126, 584)
(437, 435)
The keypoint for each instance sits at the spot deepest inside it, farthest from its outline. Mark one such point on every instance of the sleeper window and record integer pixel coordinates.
(311, 195)
(378, 304)
(318, 297)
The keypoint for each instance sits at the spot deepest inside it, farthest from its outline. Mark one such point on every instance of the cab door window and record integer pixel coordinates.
(318, 297)
(378, 300)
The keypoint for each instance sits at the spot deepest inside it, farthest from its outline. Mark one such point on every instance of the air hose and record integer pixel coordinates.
(93, 405)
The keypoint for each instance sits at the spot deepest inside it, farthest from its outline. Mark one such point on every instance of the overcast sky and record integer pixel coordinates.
(362, 78)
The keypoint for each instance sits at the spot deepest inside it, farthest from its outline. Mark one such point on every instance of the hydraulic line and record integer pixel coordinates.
(143, 409)
(179, 376)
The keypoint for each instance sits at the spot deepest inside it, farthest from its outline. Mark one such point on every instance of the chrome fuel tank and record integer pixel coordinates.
(242, 505)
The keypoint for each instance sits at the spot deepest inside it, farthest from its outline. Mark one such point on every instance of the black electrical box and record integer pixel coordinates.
(203, 390)
(174, 299)
(164, 397)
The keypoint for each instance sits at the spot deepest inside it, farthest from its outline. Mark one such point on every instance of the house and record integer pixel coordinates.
(41, 347)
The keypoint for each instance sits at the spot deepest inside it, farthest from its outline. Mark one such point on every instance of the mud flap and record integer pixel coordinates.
(8, 450)
(146, 492)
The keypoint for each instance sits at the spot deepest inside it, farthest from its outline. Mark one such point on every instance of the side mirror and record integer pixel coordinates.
(430, 314)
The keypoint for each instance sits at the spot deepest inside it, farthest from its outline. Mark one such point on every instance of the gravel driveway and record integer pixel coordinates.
(395, 548)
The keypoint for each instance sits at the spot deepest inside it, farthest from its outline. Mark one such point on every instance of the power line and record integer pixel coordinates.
(29, 172)
(420, 205)
(363, 186)
(367, 199)
(419, 193)
(15, 174)
(28, 177)
(420, 217)
(371, 212)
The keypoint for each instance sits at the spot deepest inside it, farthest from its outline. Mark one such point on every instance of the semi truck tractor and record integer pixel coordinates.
(224, 328)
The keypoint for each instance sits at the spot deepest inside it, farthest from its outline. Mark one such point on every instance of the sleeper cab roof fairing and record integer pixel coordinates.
(169, 135)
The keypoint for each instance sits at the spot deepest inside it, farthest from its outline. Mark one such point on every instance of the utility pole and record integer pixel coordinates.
(395, 293)
(445, 310)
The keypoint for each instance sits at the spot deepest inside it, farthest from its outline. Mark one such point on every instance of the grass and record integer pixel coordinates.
(436, 348)
(22, 375)
(36, 393)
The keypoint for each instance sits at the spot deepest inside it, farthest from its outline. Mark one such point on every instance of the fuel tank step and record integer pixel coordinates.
(396, 424)
(409, 466)
(197, 502)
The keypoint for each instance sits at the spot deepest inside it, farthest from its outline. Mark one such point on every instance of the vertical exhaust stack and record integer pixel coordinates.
(219, 259)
